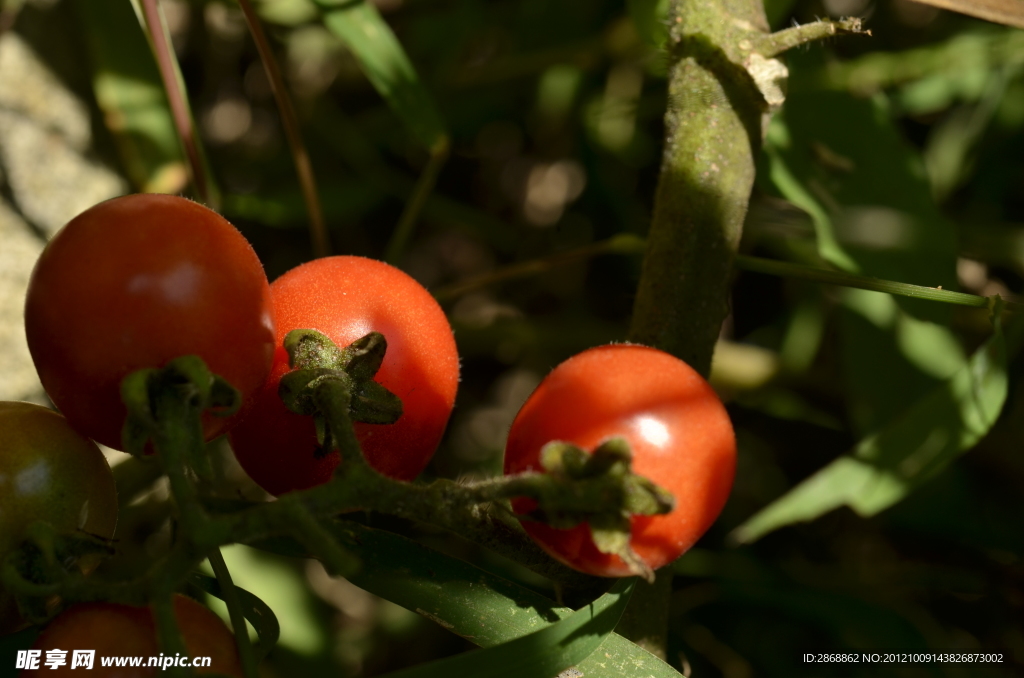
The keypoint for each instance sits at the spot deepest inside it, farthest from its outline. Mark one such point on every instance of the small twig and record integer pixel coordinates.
(620, 244)
(177, 98)
(771, 44)
(828, 277)
(424, 187)
(289, 120)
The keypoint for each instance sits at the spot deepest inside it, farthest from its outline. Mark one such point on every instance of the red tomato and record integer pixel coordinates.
(679, 432)
(48, 472)
(347, 298)
(133, 283)
(114, 630)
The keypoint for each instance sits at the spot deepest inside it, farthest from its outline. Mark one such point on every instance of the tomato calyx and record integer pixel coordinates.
(601, 490)
(185, 384)
(317, 364)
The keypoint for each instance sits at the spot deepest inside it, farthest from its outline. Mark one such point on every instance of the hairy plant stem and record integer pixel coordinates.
(723, 83)
(713, 132)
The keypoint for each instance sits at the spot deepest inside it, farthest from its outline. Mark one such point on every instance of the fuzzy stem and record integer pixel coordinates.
(713, 134)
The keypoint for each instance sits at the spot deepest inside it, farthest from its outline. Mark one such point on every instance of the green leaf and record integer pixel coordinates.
(841, 159)
(651, 19)
(368, 36)
(255, 611)
(884, 468)
(129, 92)
(481, 607)
(541, 653)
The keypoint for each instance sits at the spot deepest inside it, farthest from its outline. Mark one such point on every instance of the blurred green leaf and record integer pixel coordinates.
(885, 467)
(481, 607)
(129, 92)
(651, 19)
(848, 166)
(368, 36)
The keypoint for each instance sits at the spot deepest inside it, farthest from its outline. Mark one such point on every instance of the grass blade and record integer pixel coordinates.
(368, 36)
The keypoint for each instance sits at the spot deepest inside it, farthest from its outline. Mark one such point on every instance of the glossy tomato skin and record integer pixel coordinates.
(679, 432)
(48, 472)
(132, 283)
(346, 298)
(115, 630)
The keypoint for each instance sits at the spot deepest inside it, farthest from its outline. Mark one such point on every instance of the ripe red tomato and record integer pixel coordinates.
(48, 472)
(132, 283)
(346, 298)
(114, 630)
(679, 432)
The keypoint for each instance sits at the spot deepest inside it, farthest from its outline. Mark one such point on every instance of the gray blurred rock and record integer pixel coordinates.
(44, 146)
(44, 142)
(19, 249)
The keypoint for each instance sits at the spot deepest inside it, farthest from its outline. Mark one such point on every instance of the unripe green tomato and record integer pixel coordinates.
(49, 472)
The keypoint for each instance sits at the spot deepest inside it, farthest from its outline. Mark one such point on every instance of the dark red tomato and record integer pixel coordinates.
(133, 283)
(679, 432)
(346, 298)
(114, 630)
(48, 472)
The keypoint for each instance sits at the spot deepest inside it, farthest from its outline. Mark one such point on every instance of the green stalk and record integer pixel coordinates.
(227, 587)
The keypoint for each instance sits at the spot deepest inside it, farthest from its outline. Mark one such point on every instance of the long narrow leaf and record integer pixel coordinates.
(885, 467)
(468, 601)
(361, 27)
(542, 653)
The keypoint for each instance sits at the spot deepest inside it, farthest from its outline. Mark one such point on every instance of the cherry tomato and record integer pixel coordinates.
(132, 283)
(114, 630)
(48, 472)
(346, 298)
(679, 432)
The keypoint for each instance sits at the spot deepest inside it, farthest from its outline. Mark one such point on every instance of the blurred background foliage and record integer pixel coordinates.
(899, 156)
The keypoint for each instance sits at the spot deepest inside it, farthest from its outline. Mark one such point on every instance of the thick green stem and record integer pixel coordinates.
(713, 133)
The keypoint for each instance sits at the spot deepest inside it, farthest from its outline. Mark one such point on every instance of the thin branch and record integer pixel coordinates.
(289, 120)
(828, 277)
(177, 97)
(424, 187)
(621, 244)
(778, 42)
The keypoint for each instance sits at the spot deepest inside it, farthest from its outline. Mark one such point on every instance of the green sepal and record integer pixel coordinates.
(604, 479)
(315, 360)
(364, 356)
(374, 404)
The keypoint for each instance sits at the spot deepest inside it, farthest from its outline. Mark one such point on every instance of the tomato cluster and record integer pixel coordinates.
(137, 281)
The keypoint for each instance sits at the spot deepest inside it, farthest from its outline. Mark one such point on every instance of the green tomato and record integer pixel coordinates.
(49, 472)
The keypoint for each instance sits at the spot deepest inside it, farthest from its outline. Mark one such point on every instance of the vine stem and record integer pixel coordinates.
(234, 604)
